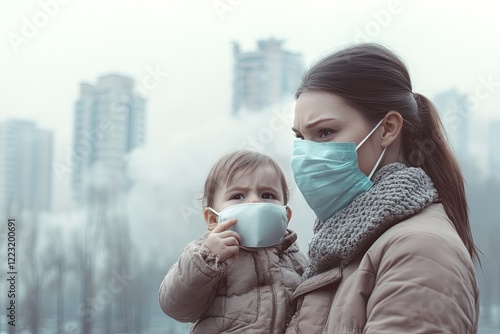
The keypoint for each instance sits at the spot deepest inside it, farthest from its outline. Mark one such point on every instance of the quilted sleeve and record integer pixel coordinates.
(189, 287)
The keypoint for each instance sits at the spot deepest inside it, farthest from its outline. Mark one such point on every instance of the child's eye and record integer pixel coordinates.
(237, 196)
(268, 196)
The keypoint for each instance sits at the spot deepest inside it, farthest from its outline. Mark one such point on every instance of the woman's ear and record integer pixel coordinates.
(210, 218)
(288, 213)
(392, 125)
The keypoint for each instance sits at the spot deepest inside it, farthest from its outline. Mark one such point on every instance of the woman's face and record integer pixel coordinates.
(325, 117)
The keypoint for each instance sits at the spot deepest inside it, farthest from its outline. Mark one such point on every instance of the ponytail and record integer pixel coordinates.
(374, 80)
(429, 149)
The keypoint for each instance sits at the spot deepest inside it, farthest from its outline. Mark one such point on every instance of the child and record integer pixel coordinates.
(232, 283)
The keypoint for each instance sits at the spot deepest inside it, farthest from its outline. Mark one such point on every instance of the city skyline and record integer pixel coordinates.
(121, 95)
(187, 79)
(433, 68)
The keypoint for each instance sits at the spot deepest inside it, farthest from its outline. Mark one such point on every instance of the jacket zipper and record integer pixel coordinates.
(273, 318)
(270, 285)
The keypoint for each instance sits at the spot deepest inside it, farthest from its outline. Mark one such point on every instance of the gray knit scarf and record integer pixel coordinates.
(398, 193)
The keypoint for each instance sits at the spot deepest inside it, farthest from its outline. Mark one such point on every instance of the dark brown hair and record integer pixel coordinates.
(373, 80)
(245, 161)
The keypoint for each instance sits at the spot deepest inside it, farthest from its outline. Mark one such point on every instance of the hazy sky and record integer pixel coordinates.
(47, 52)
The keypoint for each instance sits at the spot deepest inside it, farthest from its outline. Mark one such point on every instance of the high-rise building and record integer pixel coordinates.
(109, 122)
(25, 167)
(265, 76)
(455, 117)
(494, 148)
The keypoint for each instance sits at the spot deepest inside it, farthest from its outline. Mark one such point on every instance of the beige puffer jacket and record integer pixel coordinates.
(416, 278)
(248, 294)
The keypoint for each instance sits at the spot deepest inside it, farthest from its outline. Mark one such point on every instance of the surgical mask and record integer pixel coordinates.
(258, 224)
(328, 174)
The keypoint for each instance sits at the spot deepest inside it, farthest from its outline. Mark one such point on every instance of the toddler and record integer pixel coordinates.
(240, 276)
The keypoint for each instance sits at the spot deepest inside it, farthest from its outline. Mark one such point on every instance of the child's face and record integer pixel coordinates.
(261, 185)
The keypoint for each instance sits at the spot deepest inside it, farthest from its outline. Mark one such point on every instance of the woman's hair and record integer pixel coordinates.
(241, 161)
(373, 80)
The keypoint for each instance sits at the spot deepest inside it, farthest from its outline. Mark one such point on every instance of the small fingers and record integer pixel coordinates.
(224, 225)
(231, 241)
(233, 251)
(230, 234)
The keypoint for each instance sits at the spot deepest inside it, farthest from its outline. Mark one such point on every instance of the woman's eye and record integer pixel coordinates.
(323, 133)
(298, 136)
(268, 196)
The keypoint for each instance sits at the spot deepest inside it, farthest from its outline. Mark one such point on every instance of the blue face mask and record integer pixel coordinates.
(328, 174)
(258, 224)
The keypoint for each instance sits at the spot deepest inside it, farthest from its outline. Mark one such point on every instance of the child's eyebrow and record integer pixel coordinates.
(244, 188)
(268, 188)
(235, 188)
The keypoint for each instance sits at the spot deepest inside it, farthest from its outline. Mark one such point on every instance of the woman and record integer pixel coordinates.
(392, 250)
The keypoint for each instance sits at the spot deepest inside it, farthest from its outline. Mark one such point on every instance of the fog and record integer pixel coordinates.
(97, 269)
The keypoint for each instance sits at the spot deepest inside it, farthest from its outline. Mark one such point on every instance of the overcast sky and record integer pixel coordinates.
(45, 56)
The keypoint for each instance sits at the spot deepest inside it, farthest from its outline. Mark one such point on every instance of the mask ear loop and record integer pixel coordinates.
(377, 163)
(383, 152)
(213, 211)
(368, 135)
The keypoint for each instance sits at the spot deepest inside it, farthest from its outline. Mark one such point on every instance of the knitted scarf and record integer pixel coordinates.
(398, 192)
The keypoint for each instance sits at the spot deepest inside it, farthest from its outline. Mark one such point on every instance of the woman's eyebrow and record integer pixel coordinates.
(316, 122)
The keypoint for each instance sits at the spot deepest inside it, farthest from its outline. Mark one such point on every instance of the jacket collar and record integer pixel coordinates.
(318, 281)
(287, 244)
(334, 275)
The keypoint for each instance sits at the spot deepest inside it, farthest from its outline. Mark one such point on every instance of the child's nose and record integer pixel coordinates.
(254, 199)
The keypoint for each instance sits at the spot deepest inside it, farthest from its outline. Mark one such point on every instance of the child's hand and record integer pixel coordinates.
(223, 242)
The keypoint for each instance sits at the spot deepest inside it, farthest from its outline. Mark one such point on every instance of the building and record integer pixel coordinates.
(265, 76)
(25, 167)
(455, 116)
(109, 122)
(494, 149)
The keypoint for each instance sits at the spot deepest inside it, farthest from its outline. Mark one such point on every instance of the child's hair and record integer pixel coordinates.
(228, 165)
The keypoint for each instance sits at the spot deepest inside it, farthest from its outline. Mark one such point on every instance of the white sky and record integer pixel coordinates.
(445, 43)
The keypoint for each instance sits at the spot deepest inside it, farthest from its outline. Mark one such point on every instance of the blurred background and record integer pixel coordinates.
(112, 113)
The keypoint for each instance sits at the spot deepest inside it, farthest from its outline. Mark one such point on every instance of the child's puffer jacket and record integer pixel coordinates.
(248, 294)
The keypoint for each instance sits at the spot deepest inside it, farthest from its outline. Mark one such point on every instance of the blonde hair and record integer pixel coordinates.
(228, 165)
